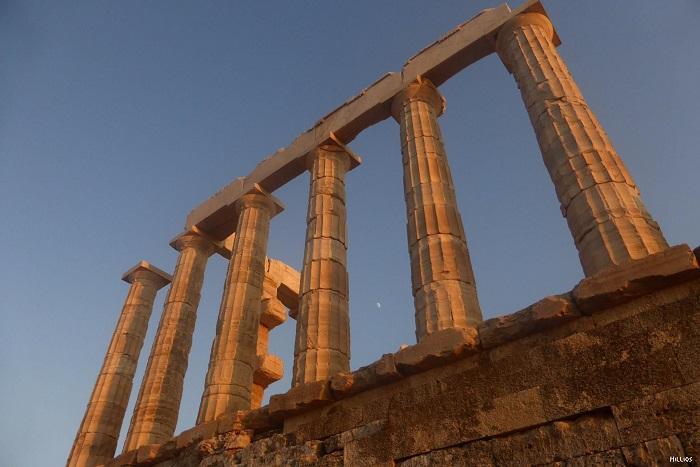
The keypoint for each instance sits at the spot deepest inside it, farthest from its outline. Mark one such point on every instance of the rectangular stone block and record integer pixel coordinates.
(656, 452)
(545, 314)
(261, 420)
(659, 415)
(272, 313)
(611, 458)
(453, 421)
(594, 369)
(557, 441)
(230, 421)
(624, 282)
(436, 349)
(380, 372)
(150, 453)
(196, 434)
(270, 369)
(300, 398)
(691, 444)
(124, 460)
(475, 453)
(371, 449)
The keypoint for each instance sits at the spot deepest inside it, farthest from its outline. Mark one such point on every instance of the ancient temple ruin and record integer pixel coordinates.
(603, 375)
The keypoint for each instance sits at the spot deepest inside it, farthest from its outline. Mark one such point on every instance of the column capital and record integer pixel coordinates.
(523, 19)
(258, 197)
(332, 148)
(146, 271)
(197, 239)
(422, 89)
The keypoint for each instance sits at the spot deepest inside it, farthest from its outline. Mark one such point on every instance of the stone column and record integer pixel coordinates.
(598, 197)
(322, 343)
(233, 358)
(158, 404)
(97, 436)
(443, 283)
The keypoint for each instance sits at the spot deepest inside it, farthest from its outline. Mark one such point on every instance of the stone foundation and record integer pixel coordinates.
(604, 375)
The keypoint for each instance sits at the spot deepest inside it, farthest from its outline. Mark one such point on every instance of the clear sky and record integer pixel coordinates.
(117, 118)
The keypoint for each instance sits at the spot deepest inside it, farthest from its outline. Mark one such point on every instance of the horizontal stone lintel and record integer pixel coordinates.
(459, 48)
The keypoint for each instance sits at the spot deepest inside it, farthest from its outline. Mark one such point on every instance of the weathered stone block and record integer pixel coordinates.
(559, 440)
(476, 453)
(691, 444)
(260, 420)
(196, 434)
(148, 453)
(545, 314)
(436, 349)
(230, 421)
(300, 398)
(371, 450)
(597, 368)
(270, 368)
(621, 283)
(455, 418)
(659, 415)
(611, 458)
(334, 459)
(124, 459)
(238, 440)
(272, 313)
(655, 452)
(380, 372)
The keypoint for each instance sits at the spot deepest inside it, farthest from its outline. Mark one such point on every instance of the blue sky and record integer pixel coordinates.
(118, 118)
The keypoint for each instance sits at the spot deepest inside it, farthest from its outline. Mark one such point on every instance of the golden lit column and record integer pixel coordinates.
(598, 197)
(233, 357)
(158, 404)
(97, 436)
(322, 343)
(443, 283)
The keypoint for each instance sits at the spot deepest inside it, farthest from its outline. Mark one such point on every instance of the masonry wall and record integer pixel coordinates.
(605, 375)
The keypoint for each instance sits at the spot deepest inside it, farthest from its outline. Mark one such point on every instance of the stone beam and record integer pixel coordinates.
(464, 45)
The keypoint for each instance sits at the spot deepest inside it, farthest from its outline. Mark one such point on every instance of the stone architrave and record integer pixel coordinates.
(233, 359)
(598, 197)
(322, 343)
(158, 405)
(97, 436)
(444, 288)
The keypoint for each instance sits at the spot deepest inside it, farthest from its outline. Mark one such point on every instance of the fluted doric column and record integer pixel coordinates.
(233, 357)
(444, 289)
(158, 405)
(598, 197)
(97, 436)
(322, 343)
